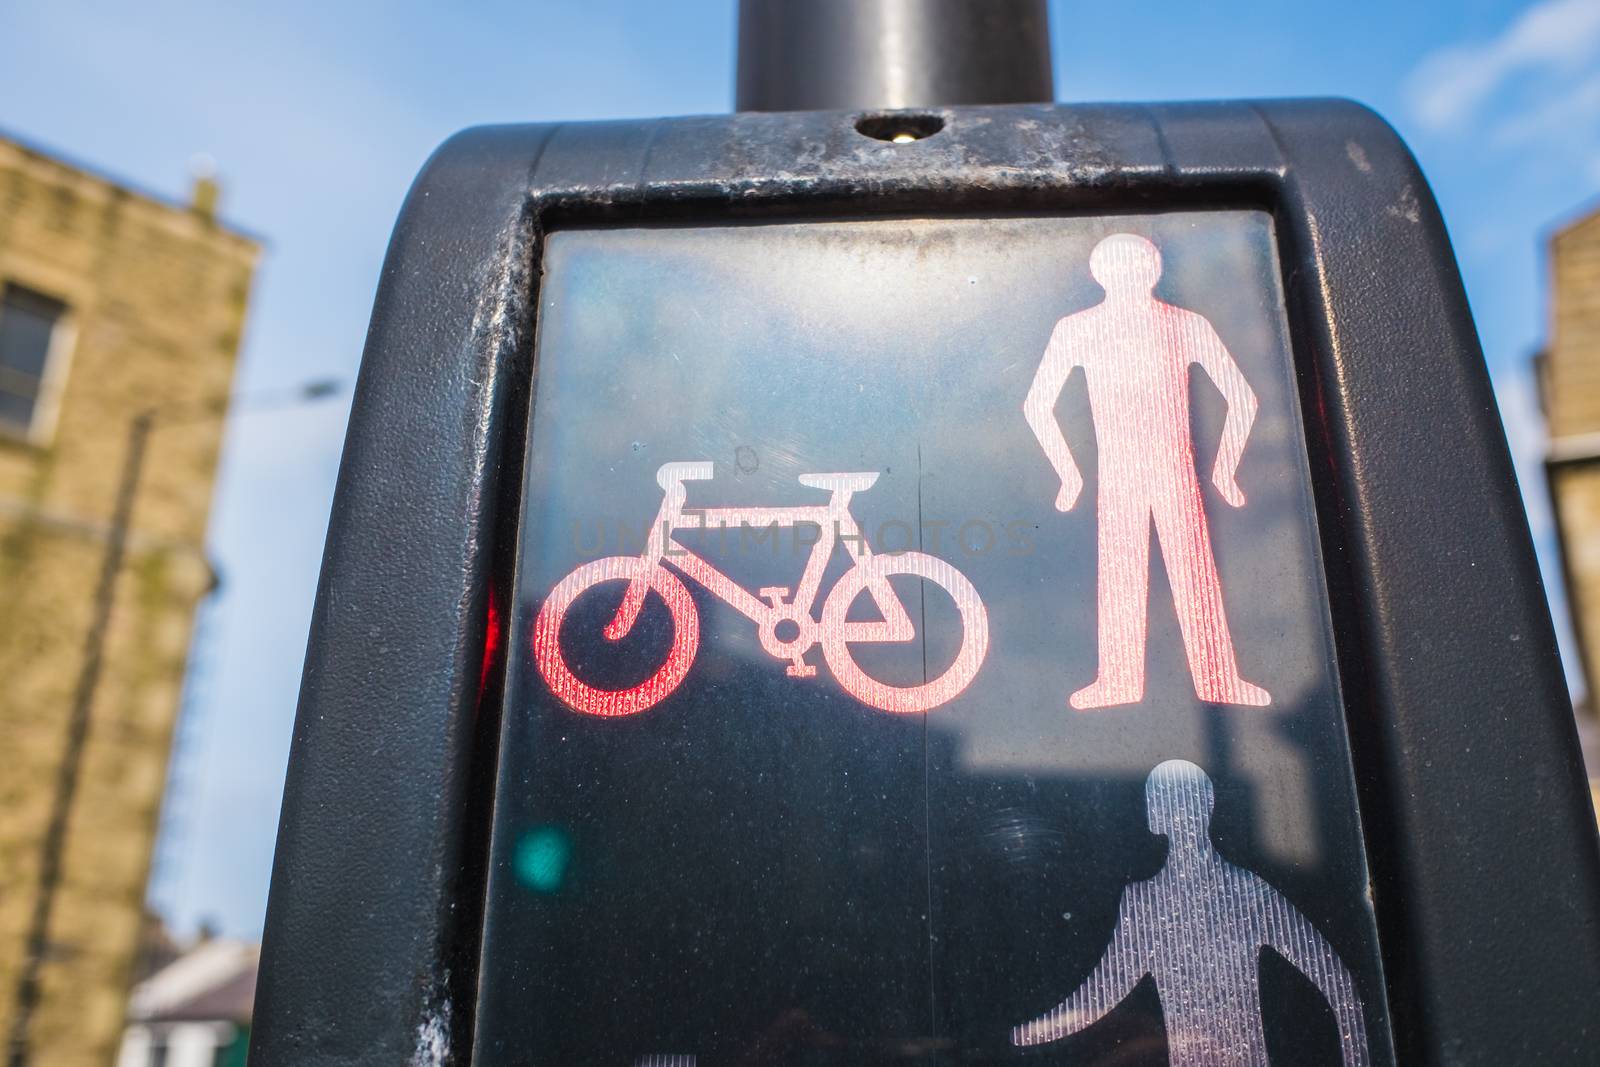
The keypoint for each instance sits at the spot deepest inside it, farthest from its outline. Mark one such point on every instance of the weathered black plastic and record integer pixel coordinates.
(1482, 845)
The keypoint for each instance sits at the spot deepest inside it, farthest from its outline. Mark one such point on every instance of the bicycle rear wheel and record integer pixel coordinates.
(611, 703)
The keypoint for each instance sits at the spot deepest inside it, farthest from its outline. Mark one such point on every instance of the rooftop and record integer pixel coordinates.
(215, 980)
(203, 195)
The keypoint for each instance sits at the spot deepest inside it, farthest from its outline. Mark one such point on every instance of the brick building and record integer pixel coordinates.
(120, 318)
(1569, 392)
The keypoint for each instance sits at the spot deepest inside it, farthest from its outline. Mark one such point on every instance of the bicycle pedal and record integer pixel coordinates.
(774, 594)
(800, 670)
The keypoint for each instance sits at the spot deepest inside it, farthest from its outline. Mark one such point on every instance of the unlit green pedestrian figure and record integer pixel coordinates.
(1198, 927)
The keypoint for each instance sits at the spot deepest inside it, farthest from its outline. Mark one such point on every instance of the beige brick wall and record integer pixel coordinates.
(1574, 354)
(1571, 389)
(156, 298)
(1572, 409)
(1576, 488)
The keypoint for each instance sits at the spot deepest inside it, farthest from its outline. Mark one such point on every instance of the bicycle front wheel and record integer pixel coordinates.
(837, 633)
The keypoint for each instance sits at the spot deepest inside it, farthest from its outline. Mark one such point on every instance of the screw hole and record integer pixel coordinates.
(899, 127)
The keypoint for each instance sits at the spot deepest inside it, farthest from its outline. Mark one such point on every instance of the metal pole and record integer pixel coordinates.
(800, 55)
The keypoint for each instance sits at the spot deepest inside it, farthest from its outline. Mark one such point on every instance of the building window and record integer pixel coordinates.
(28, 322)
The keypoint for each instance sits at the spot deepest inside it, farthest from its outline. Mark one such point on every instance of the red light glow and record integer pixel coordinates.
(491, 641)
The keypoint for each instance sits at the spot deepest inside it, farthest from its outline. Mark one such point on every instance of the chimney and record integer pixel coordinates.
(204, 192)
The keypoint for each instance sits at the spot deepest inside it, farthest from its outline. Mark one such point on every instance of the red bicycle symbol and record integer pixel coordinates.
(870, 574)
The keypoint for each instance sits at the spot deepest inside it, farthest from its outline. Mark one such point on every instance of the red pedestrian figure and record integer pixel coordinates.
(1135, 351)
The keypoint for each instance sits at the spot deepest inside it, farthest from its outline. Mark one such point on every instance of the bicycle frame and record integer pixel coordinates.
(836, 524)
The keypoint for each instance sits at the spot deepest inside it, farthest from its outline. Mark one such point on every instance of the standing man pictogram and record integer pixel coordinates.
(1198, 928)
(1135, 351)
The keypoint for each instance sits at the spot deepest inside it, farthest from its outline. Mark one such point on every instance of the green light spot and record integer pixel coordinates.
(540, 859)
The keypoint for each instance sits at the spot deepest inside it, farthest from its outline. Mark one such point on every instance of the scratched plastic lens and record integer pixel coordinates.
(920, 634)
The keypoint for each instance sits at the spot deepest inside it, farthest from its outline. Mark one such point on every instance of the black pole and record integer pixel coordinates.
(66, 788)
(801, 55)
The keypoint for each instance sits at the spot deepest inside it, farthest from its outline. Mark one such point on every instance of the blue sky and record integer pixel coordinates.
(317, 116)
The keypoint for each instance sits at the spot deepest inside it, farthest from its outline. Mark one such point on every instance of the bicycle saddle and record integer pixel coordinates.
(845, 482)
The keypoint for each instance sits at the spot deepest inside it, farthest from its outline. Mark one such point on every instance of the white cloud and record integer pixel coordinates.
(1572, 112)
(1554, 36)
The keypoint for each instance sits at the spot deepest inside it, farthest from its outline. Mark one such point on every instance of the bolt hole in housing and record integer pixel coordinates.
(899, 127)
